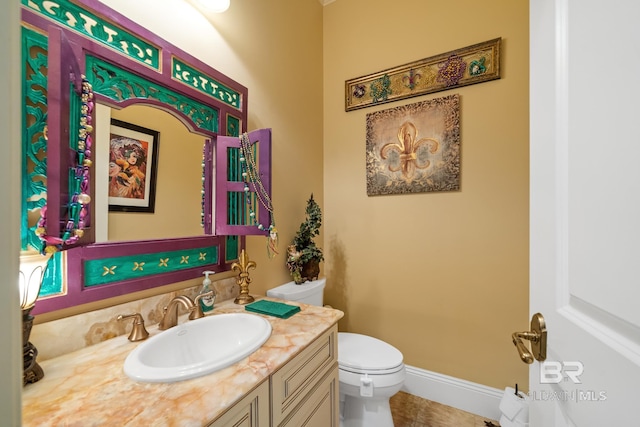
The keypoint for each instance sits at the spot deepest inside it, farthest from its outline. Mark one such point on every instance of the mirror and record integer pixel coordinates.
(177, 208)
(127, 66)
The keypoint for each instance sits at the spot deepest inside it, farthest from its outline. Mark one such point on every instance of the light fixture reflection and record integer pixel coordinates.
(215, 6)
(32, 268)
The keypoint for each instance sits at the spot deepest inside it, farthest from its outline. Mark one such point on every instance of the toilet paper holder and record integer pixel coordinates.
(538, 337)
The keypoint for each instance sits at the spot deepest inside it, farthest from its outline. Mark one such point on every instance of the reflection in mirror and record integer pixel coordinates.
(178, 192)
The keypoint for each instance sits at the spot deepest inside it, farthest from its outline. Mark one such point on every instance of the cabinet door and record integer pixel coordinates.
(251, 411)
(321, 407)
(294, 382)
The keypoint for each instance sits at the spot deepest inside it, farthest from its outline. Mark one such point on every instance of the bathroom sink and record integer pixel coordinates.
(197, 347)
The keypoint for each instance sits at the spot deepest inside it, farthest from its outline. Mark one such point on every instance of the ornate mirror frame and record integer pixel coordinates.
(125, 64)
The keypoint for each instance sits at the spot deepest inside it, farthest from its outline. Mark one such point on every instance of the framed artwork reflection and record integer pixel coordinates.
(133, 164)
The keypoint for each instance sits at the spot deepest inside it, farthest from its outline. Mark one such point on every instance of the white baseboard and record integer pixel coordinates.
(461, 394)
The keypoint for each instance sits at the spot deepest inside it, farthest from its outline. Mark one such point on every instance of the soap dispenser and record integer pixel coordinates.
(206, 302)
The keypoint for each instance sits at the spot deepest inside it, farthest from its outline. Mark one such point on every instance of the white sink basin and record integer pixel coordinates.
(197, 347)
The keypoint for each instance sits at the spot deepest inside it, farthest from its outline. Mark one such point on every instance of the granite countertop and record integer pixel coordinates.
(89, 387)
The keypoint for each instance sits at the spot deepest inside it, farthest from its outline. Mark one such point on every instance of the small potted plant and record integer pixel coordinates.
(303, 256)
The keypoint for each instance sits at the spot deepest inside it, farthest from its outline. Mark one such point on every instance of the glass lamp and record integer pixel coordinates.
(32, 268)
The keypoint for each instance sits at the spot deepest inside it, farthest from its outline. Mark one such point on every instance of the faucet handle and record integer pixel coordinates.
(196, 311)
(138, 332)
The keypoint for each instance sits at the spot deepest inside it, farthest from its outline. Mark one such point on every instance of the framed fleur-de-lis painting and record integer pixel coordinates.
(414, 148)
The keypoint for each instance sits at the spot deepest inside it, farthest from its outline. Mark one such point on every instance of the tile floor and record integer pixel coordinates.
(412, 411)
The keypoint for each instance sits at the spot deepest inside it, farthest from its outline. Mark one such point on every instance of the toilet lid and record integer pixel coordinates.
(361, 353)
(293, 292)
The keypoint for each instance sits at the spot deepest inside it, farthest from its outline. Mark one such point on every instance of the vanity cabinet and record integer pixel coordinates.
(320, 407)
(251, 411)
(303, 392)
(292, 381)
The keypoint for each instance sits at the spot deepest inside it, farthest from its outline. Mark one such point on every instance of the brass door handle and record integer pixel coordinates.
(538, 337)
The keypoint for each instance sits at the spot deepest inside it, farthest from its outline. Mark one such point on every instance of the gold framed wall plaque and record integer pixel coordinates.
(414, 148)
(466, 66)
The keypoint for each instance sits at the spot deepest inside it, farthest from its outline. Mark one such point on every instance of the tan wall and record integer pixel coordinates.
(441, 276)
(278, 45)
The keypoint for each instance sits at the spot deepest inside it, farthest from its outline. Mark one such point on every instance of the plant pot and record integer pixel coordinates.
(310, 271)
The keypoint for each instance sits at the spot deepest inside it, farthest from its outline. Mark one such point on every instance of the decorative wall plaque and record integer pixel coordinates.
(466, 66)
(414, 148)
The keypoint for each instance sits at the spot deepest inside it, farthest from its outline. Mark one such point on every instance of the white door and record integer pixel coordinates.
(585, 210)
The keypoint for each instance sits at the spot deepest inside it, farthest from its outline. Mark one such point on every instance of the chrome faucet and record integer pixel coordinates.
(170, 317)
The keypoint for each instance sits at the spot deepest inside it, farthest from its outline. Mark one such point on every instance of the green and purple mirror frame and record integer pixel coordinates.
(125, 64)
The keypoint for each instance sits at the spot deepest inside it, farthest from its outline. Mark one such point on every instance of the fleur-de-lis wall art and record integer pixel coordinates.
(414, 148)
(411, 79)
(407, 149)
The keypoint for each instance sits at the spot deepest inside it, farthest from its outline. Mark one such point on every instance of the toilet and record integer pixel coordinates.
(370, 370)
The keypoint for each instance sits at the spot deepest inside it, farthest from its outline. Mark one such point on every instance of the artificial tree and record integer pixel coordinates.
(303, 256)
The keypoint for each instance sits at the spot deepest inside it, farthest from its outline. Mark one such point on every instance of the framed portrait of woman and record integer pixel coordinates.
(133, 164)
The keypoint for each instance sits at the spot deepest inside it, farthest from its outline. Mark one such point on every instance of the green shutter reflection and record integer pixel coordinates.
(232, 245)
(119, 85)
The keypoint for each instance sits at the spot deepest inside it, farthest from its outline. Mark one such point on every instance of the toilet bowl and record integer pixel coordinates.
(370, 370)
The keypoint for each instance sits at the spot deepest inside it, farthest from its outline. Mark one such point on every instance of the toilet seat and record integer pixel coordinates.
(362, 354)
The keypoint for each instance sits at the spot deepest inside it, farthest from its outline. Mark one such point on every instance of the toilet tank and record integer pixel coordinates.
(307, 292)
